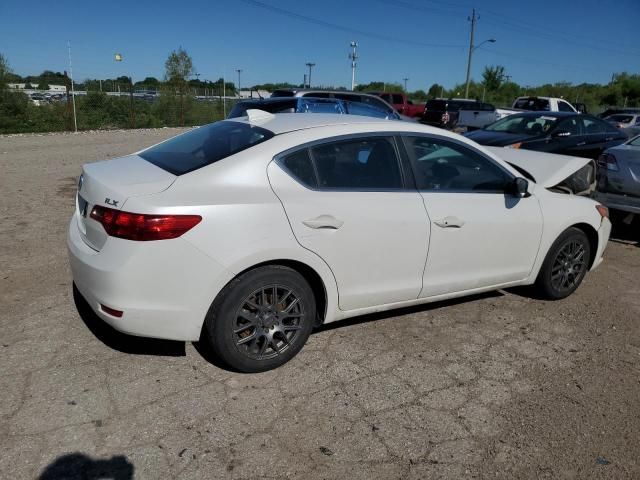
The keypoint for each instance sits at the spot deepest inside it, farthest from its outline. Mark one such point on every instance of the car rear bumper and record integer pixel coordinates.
(603, 238)
(616, 201)
(163, 288)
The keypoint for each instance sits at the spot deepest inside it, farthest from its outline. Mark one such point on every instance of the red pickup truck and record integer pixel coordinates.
(402, 104)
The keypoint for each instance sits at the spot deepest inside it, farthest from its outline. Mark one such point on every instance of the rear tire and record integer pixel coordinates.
(565, 265)
(261, 319)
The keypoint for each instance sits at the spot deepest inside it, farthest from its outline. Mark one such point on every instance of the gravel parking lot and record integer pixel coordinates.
(495, 386)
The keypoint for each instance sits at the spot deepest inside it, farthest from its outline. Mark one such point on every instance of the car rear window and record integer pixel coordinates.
(438, 105)
(534, 104)
(205, 145)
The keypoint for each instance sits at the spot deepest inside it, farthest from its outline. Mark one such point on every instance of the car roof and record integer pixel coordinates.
(545, 113)
(280, 123)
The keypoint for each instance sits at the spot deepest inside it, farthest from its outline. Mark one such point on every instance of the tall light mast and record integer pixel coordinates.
(353, 56)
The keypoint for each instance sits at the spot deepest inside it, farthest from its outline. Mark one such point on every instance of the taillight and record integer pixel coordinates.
(608, 161)
(142, 227)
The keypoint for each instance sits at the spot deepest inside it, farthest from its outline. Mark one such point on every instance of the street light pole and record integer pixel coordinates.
(472, 49)
(405, 83)
(473, 28)
(239, 70)
(310, 65)
(353, 56)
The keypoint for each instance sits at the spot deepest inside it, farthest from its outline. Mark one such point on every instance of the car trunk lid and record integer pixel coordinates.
(110, 184)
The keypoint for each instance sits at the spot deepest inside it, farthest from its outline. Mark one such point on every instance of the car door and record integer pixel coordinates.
(346, 201)
(596, 137)
(566, 137)
(480, 235)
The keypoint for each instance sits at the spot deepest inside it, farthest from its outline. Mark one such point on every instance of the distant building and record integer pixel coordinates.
(22, 86)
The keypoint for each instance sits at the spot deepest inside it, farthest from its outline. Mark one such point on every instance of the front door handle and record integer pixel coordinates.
(449, 222)
(324, 221)
(581, 144)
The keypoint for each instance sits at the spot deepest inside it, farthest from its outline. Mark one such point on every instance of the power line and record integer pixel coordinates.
(518, 25)
(323, 23)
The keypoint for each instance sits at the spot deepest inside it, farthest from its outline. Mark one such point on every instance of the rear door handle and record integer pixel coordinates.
(449, 222)
(581, 144)
(324, 221)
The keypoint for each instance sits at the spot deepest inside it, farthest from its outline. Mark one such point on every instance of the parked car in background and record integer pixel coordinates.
(543, 104)
(38, 99)
(248, 233)
(473, 116)
(310, 105)
(563, 133)
(553, 132)
(372, 100)
(443, 112)
(402, 104)
(613, 110)
(624, 120)
(619, 177)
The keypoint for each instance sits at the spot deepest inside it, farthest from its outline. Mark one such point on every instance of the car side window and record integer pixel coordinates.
(398, 99)
(358, 164)
(593, 125)
(569, 125)
(564, 107)
(300, 167)
(444, 166)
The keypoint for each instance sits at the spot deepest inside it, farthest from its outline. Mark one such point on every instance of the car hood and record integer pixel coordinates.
(498, 139)
(548, 169)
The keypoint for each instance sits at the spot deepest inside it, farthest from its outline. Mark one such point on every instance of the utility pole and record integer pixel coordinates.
(73, 95)
(405, 83)
(239, 70)
(353, 56)
(310, 65)
(473, 28)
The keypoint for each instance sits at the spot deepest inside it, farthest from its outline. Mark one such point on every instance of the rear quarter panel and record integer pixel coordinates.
(244, 223)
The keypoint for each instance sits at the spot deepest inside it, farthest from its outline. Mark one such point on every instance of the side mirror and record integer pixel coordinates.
(561, 134)
(519, 188)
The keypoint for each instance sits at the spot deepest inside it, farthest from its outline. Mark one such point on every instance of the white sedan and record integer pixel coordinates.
(248, 233)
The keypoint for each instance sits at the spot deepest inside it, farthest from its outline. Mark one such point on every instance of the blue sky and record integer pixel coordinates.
(424, 40)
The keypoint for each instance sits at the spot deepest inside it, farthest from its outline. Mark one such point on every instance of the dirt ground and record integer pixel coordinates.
(495, 386)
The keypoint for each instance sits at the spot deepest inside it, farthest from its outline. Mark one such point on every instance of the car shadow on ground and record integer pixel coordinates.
(398, 312)
(120, 341)
(78, 466)
(625, 229)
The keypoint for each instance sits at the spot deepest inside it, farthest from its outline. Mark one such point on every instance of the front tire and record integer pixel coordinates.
(565, 265)
(261, 319)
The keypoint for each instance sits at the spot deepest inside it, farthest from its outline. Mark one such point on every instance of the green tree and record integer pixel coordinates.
(435, 91)
(178, 68)
(492, 77)
(43, 86)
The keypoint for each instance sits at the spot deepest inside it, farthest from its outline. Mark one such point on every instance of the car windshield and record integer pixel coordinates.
(204, 146)
(523, 124)
(634, 141)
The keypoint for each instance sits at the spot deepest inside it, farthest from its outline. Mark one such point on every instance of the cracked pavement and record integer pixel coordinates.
(493, 386)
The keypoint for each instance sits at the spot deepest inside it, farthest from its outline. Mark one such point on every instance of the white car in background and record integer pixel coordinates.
(247, 233)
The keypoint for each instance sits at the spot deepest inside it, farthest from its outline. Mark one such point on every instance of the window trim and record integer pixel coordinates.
(402, 138)
(406, 182)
